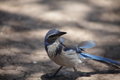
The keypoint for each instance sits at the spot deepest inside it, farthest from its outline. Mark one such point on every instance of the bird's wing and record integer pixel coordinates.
(86, 44)
(69, 50)
(71, 55)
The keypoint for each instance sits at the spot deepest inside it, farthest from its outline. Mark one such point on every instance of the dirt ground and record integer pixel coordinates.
(24, 23)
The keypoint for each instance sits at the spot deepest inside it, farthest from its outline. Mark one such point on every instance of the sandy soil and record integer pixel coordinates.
(24, 23)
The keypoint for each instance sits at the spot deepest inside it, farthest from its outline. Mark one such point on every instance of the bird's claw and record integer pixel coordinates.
(84, 74)
(49, 76)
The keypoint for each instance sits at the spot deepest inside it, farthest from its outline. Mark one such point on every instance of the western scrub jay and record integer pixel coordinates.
(69, 57)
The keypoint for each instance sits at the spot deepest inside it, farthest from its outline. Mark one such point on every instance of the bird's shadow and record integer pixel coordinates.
(75, 75)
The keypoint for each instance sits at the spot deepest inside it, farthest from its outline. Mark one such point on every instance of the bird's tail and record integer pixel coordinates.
(100, 59)
(90, 44)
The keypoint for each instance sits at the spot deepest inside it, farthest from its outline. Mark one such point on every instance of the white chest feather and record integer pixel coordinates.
(52, 49)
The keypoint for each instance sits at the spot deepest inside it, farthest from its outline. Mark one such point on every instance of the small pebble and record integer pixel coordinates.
(34, 62)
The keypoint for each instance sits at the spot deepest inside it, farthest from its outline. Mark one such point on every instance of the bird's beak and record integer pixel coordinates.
(62, 33)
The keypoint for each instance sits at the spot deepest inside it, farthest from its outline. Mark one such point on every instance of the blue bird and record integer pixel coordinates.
(70, 57)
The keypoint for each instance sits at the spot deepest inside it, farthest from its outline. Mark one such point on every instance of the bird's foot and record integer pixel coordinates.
(50, 75)
(84, 74)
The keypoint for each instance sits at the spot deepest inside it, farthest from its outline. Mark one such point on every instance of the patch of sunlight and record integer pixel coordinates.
(55, 16)
(12, 67)
(7, 51)
(35, 76)
(102, 3)
(77, 8)
(38, 55)
(13, 70)
(67, 13)
(100, 26)
(78, 34)
(40, 33)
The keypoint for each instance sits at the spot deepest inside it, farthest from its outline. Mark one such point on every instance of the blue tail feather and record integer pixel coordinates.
(99, 58)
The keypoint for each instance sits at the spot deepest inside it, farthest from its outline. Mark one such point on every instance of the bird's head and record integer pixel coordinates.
(52, 35)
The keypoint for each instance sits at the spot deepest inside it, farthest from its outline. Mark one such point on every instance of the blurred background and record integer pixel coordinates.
(24, 23)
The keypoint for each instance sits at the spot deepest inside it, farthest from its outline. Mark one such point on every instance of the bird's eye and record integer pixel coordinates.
(52, 36)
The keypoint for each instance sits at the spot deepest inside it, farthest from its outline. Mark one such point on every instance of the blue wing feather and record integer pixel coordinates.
(99, 58)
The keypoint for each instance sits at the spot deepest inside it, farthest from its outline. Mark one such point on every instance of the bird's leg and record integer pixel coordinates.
(81, 73)
(57, 71)
(75, 70)
(53, 75)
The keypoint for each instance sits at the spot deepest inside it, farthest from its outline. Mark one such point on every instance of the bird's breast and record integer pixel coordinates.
(52, 49)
